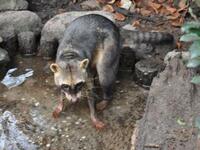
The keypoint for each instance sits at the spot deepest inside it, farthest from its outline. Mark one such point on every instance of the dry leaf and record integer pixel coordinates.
(111, 2)
(136, 23)
(171, 9)
(145, 12)
(182, 6)
(119, 17)
(108, 8)
(106, 1)
(161, 1)
(174, 16)
(155, 6)
(164, 11)
(178, 45)
(60, 11)
(177, 23)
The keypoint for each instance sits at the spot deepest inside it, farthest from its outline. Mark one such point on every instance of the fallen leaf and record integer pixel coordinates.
(161, 1)
(178, 22)
(108, 8)
(136, 23)
(61, 11)
(178, 45)
(171, 9)
(119, 17)
(174, 16)
(155, 6)
(182, 6)
(106, 1)
(164, 11)
(111, 2)
(145, 12)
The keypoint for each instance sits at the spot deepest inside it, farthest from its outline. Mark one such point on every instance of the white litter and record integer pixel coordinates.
(10, 81)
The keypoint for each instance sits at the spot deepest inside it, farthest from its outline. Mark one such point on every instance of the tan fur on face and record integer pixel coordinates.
(72, 74)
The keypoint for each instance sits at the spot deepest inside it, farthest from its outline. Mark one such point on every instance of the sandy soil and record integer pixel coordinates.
(33, 102)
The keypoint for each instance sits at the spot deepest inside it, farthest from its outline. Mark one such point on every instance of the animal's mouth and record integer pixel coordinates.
(73, 98)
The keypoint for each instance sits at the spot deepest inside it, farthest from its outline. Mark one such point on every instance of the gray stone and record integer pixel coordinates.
(4, 57)
(13, 5)
(27, 43)
(53, 30)
(1, 39)
(171, 119)
(13, 23)
(9, 40)
(146, 70)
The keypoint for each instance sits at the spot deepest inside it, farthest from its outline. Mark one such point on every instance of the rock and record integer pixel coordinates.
(9, 40)
(4, 57)
(13, 5)
(126, 63)
(90, 5)
(27, 43)
(171, 119)
(21, 21)
(53, 30)
(146, 70)
(1, 39)
(14, 22)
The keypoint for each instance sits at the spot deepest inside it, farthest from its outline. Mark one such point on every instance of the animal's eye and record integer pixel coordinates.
(65, 86)
(79, 85)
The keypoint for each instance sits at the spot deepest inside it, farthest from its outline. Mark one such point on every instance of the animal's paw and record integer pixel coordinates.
(102, 105)
(98, 124)
(58, 110)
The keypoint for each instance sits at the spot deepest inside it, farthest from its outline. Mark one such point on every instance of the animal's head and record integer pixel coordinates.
(71, 78)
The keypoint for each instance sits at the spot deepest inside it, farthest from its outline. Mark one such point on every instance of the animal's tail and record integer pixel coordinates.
(146, 37)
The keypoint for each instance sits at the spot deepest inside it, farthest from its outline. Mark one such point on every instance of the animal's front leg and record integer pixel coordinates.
(60, 106)
(97, 123)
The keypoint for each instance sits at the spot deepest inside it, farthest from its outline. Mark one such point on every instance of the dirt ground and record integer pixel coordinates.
(33, 102)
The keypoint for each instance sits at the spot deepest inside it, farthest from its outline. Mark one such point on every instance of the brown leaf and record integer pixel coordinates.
(136, 23)
(108, 8)
(164, 11)
(61, 11)
(161, 1)
(145, 12)
(177, 22)
(171, 9)
(155, 6)
(182, 6)
(174, 16)
(106, 1)
(178, 45)
(119, 17)
(111, 2)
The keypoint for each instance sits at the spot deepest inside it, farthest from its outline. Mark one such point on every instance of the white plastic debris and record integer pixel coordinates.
(10, 81)
(126, 4)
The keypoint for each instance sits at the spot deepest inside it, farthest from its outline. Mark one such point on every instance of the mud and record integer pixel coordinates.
(31, 104)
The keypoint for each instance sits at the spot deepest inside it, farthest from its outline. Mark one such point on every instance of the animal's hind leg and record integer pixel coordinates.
(107, 71)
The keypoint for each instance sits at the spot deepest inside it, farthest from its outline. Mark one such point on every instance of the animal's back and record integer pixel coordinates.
(88, 33)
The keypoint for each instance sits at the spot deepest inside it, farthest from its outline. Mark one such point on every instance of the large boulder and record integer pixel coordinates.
(53, 30)
(171, 119)
(13, 5)
(4, 58)
(13, 23)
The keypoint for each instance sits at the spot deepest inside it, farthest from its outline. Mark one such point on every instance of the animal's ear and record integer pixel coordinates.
(54, 68)
(84, 63)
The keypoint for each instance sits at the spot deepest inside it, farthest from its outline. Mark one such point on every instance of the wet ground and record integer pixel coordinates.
(26, 111)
